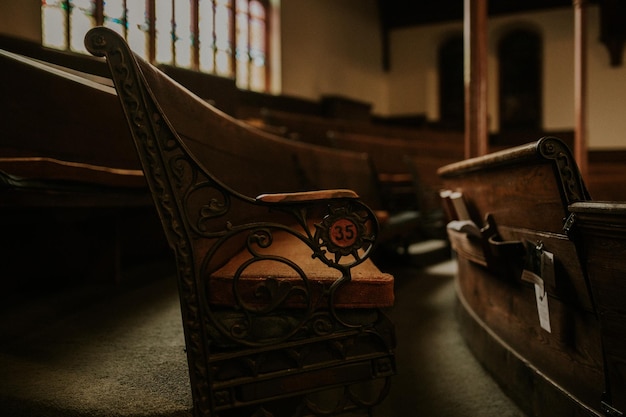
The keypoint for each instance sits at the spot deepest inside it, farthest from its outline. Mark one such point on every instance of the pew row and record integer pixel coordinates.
(79, 208)
(306, 127)
(602, 228)
(411, 163)
(282, 306)
(54, 178)
(526, 309)
(386, 145)
(404, 160)
(606, 167)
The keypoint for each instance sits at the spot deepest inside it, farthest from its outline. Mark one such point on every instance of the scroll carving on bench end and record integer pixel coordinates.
(283, 309)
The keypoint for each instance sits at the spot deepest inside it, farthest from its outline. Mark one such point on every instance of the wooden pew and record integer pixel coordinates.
(407, 172)
(54, 162)
(398, 153)
(444, 147)
(308, 127)
(279, 298)
(527, 311)
(405, 161)
(75, 204)
(407, 164)
(53, 112)
(602, 228)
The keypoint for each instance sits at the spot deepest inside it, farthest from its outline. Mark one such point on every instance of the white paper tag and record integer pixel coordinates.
(542, 307)
(541, 297)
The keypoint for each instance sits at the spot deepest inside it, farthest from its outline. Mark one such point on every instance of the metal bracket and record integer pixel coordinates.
(610, 411)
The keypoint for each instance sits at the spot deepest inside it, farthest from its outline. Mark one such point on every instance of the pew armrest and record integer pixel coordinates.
(306, 196)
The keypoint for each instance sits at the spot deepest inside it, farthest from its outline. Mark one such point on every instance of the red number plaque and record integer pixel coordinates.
(343, 232)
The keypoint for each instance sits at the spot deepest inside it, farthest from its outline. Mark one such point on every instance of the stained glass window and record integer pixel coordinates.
(54, 15)
(81, 20)
(115, 15)
(242, 55)
(258, 45)
(223, 37)
(183, 34)
(206, 35)
(163, 15)
(251, 44)
(137, 26)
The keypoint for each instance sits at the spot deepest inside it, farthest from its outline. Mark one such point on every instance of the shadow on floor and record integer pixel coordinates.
(69, 354)
(437, 374)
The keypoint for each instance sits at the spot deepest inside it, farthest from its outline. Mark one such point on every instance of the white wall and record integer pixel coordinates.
(606, 96)
(413, 77)
(333, 47)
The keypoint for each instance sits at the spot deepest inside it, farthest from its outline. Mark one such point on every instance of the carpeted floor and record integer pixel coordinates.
(437, 374)
(97, 351)
(103, 351)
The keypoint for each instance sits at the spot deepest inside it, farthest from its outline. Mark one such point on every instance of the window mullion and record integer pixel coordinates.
(249, 47)
(214, 29)
(233, 38)
(151, 16)
(173, 34)
(195, 30)
(68, 23)
(98, 12)
(267, 45)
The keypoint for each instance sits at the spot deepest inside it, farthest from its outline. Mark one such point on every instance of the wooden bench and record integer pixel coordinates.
(407, 164)
(42, 125)
(404, 162)
(602, 228)
(281, 304)
(74, 203)
(407, 172)
(527, 310)
(401, 224)
(405, 159)
(308, 127)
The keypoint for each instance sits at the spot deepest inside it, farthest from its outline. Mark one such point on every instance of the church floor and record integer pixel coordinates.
(102, 351)
(437, 374)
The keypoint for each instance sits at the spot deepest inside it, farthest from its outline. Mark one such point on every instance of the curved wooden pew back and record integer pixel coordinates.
(519, 264)
(281, 304)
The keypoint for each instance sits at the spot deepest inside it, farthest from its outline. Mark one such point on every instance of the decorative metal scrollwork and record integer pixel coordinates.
(346, 231)
(555, 149)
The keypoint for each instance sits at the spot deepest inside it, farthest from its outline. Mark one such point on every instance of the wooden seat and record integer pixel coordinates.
(520, 277)
(281, 305)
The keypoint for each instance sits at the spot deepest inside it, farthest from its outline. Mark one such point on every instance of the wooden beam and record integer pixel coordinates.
(475, 62)
(580, 85)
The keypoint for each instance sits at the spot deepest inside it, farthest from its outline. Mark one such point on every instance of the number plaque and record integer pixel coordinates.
(343, 232)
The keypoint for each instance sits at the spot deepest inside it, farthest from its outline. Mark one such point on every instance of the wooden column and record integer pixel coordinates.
(475, 61)
(580, 85)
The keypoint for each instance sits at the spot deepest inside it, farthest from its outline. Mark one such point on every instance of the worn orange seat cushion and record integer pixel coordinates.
(368, 288)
